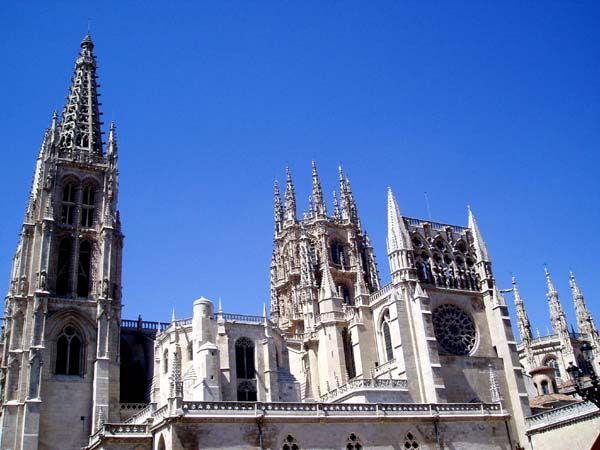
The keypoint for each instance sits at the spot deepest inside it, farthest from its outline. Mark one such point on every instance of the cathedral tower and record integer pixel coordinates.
(63, 307)
(585, 322)
(323, 268)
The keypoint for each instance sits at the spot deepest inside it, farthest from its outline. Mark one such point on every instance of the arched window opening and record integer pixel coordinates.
(88, 206)
(246, 391)
(545, 390)
(552, 362)
(537, 390)
(348, 354)
(17, 338)
(64, 266)
(354, 443)
(345, 294)
(190, 350)
(387, 340)
(411, 443)
(69, 351)
(244, 358)
(83, 271)
(290, 443)
(166, 361)
(68, 204)
(161, 444)
(337, 253)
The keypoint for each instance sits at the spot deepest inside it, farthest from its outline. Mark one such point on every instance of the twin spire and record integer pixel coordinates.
(585, 322)
(286, 212)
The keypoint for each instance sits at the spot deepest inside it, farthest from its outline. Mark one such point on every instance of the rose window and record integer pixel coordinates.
(454, 329)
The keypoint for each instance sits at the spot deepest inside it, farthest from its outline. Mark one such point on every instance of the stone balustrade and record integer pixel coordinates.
(287, 409)
(558, 416)
(383, 368)
(365, 383)
(143, 415)
(383, 292)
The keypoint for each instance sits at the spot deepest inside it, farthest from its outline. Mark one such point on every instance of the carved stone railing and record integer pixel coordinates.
(558, 416)
(435, 225)
(365, 383)
(120, 429)
(283, 409)
(378, 295)
(143, 415)
(144, 325)
(331, 316)
(160, 413)
(383, 368)
(240, 318)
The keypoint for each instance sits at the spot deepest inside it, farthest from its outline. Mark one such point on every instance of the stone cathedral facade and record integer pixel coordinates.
(427, 361)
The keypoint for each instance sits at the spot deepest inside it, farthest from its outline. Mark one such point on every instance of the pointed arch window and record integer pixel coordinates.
(63, 266)
(190, 350)
(337, 253)
(84, 267)
(166, 361)
(246, 391)
(348, 353)
(88, 206)
(69, 352)
(68, 204)
(244, 358)
(387, 341)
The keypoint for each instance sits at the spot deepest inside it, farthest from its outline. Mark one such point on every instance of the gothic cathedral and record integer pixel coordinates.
(428, 361)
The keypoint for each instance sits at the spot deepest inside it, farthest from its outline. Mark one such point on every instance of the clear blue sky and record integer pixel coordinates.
(493, 104)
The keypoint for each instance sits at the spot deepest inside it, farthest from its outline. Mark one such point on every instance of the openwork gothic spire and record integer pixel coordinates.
(80, 134)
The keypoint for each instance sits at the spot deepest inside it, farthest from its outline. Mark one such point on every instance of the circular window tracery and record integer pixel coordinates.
(454, 329)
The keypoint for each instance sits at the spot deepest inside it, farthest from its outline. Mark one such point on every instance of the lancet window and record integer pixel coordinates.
(69, 352)
(387, 337)
(68, 204)
(84, 267)
(63, 273)
(244, 358)
(348, 354)
(88, 206)
(166, 361)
